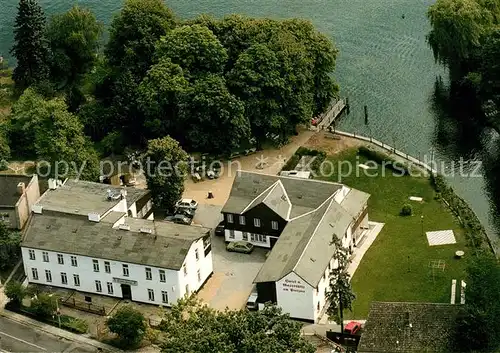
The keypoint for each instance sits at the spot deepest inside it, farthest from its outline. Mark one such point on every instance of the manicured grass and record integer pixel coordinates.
(396, 266)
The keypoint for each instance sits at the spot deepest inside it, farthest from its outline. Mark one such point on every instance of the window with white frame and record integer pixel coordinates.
(231, 234)
(163, 277)
(256, 222)
(60, 259)
(258, 238)
(45, 256)
(164, 297)
(110, 287)
(48, 276)
(98, 286)
(151, 295)
(32, 254)
(184, 267)
(73, 261)
(107, 267)
(196, 255)
(187, 289)
(95, 263)
(242, 220)
(244, 236)
(274, 225)
(34, 274)
(229, 218)
(149, 275)
(199, 275)
(76, 280)
(64, 278)
(125, 270)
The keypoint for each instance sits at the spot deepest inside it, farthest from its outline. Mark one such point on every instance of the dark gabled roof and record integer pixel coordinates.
(409, 328)
(304, 246)
(304, 195)
(8, 188)
(73, 234)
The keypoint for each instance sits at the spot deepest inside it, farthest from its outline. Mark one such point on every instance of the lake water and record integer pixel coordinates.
(384, 63)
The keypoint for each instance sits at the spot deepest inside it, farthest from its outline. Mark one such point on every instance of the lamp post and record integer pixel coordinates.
(58, 313)
(422, 223)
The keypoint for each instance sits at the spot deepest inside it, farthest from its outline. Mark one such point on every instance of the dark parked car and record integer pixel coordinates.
(219, 230)
(185, 211)
(180, 219)
(240, 246)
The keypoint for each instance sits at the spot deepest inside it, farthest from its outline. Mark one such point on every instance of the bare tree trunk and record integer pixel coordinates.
(341, 313)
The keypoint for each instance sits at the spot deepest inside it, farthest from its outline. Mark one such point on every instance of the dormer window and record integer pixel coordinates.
(256, 222)
(242, 220)
(229, 218)
(274, 225)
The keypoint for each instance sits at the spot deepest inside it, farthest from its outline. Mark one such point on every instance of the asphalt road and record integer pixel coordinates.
(15, 337)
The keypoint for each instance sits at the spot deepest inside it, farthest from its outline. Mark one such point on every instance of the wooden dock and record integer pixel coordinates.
(332, 114)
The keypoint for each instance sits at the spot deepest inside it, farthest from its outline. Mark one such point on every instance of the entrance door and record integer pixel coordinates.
(273, 241)
(126, 291)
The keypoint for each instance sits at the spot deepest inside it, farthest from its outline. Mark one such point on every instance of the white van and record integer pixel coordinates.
(252, 300)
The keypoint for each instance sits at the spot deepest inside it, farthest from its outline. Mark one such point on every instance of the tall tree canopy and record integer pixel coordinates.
(166, 168)
(10, 247)
(264, 331)
(30, 46)
(134, 33)
(214, 120)
(74, 40)
(45, 129)
(478, 327)
(195, 48)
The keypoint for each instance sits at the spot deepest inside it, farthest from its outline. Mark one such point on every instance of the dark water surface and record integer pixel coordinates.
(384, 63)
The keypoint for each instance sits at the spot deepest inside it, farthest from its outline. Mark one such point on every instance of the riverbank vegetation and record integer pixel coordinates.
(465, 37)
(211, 84)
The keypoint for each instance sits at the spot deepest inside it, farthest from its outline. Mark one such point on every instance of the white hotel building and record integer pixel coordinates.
(83, 237)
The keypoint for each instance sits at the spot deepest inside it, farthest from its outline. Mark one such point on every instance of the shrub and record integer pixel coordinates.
(407, 210)
(15, 291)
(129, 325)
(74, 324)
(43, 306)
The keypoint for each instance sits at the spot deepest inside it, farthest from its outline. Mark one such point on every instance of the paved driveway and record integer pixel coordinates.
(232, 281)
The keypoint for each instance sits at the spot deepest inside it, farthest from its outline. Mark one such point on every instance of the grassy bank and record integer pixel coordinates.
(396, 267)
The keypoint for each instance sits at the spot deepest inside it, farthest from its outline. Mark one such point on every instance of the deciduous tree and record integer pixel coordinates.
(265, 331)
(214, 119)
(30, 46)
(134, 32)
(129, 325)
(166, 167)
(43, 305)
(74, 40)
(10, 246)
(339, 296)
(195, 48)
(15, 291)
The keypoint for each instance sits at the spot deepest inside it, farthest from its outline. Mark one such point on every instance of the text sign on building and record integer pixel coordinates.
(124, 281)
(293, 286)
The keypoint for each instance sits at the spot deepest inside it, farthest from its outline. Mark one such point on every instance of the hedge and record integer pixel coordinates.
(304, 151)
(384, 160)
(474, 230)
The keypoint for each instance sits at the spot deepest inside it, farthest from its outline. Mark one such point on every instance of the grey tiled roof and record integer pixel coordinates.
(73, 234)
(388, 329)
(304, 246)
(82, 197)
(304, 194)
(8, 188)
(352, 201)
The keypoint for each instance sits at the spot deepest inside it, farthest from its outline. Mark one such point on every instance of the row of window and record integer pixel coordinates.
(60, 258)
(256, 221)
(257, 238)
(64, 277)
(164, 296)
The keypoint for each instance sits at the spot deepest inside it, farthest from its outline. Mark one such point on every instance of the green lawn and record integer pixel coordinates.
(386, 273)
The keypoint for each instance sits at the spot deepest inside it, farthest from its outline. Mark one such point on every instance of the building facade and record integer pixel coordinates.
(84, 237)
(17, 194)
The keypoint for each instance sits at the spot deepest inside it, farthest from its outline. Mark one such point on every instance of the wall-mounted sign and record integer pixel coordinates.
(124, 281)
(293, 286)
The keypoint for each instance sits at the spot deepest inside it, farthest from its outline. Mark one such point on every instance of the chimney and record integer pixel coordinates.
(52, 184)
(94, 217)
(21, 187)
(37, 209)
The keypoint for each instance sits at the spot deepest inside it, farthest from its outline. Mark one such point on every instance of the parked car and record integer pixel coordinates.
(252, 300)
(188, 212)
(352, 328)
(240, 246)
(219, 230)
(187, 203)
(179, 218)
